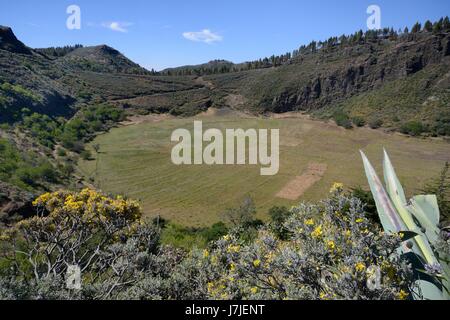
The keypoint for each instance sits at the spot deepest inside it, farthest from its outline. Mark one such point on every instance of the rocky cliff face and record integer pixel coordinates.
(366, 67)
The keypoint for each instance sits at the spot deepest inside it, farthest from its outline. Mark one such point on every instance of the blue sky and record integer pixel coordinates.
(166, 33)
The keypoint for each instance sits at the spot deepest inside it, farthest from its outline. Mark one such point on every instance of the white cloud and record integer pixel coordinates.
(117, 26)
(205, 36)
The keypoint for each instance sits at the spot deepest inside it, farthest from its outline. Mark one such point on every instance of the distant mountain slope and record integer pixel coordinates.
(55, 81)
(102, 59)
(214, 66)
(393, 80)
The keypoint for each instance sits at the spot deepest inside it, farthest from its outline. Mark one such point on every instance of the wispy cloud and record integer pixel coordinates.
(117, 26)
(205, 36)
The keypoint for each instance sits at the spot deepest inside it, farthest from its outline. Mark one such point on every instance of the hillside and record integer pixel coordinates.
(102, 59)
(397, 80)
(214, 66)
(57, 85)
(393, 80)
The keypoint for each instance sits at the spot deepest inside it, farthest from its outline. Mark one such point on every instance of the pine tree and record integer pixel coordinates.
(437, 27)
(416, 28)
(428, 26)
(446, 24)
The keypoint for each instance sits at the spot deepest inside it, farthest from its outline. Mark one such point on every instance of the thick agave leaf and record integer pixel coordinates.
(425, 209)
(386, 211)
(429, 291)
(393, 185)
(397, 195)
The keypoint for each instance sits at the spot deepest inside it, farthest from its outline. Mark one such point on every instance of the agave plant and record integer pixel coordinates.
(417, 223)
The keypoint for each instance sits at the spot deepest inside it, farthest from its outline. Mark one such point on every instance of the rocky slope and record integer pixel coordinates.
(409, 76)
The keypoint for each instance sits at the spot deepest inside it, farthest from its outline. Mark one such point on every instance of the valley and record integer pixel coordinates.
(135, 160)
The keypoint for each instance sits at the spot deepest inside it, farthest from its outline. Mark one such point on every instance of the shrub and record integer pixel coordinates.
(332, 252)
(215, 232)
(26, 170)
(42, 127)
(375, 123)
(86, 155)
(278, 216)
(442, 125)
(342, 120)
(102, 235)
(414, 128)
(61, 152)
(440, 186)
(358, 121)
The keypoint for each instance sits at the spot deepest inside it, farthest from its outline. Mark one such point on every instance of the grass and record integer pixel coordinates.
(135, 160)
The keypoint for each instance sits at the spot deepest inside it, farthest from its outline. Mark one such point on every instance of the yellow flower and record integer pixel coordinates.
(336, 187)
(4, 237)
(42, 200)
(233, 248)
(205, 253)
(232, 267)
(256, 263)
(227, 238)
(323, 296)
(348, 233)
(359, 220)
(214, 259)
(317, 232)
(402, 295)
(254, 290)
(360, 267)
(309, 222)
(331, 245)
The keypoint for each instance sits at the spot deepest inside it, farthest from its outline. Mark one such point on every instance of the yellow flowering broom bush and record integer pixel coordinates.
(333, 252)
(85, 229)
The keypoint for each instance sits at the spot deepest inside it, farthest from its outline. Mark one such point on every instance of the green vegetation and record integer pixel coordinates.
(27, 170)
(358, 121)
(73, 133)
(190, 237)
(440, 186)
(18, 90)
(414, 128)
(43, 128)
(21, 96)
(375, 123)
(59, 51)
(342, 120)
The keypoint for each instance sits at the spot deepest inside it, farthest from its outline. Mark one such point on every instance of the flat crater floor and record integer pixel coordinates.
(135, 160)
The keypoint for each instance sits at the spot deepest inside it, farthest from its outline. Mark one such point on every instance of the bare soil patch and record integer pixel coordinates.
(137, 119)
(295, 188)
(235, 100)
